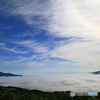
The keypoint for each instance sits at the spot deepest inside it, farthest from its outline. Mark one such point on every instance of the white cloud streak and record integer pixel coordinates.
(33, 12)
(30, 34)
(3, 47)
(34, 46)
(83, 53)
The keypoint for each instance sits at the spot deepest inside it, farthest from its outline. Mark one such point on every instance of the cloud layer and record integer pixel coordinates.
(74, 82)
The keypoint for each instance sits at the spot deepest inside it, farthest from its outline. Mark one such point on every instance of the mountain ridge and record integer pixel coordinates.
(97, 72)
(8, 74)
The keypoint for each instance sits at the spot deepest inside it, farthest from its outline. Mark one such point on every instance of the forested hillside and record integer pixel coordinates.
(14, 93)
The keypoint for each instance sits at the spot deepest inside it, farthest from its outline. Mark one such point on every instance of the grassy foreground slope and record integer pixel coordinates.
(14, 93)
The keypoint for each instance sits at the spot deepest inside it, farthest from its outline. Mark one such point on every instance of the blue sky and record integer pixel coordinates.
(49, 37)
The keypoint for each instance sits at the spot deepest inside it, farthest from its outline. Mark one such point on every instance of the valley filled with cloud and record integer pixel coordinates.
(68, 82)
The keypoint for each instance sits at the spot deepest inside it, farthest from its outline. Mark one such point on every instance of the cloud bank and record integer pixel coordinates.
(69, 82)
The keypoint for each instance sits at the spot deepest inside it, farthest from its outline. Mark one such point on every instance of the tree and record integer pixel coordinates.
(9, 96)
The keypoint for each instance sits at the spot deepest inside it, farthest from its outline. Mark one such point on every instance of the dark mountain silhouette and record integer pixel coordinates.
(8, 74)
(97, 72)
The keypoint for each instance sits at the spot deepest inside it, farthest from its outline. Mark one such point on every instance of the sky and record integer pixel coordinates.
(40, 37)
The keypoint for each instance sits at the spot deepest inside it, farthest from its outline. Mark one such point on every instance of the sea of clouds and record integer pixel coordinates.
(68, 82)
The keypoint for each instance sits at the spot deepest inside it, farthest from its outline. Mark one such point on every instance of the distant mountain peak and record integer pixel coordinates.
(8, 74)
(97, 72)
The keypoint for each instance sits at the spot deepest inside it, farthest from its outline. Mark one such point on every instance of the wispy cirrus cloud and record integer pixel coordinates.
(3, 47)
(33, 12)
(25, 34)
(78, 52)
(34, 46)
